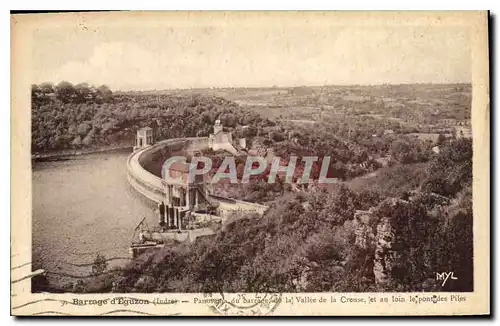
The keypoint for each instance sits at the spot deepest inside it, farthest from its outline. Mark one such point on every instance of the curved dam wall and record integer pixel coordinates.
(141, 165)
(153, 157)
(142, 175)
(143, 181)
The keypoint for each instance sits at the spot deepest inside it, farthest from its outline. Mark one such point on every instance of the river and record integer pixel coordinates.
(81, 207)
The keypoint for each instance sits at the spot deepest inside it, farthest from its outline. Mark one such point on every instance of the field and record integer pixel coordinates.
(436, 104)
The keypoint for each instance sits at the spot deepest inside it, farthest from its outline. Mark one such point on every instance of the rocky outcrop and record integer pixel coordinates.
(374, 232)
(384, 254)
(364, 230)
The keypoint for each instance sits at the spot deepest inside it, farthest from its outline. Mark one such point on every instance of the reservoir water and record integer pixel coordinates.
(81, 207)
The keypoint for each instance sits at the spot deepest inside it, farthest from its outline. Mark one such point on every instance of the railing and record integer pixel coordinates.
(145, 182)
(151, 190)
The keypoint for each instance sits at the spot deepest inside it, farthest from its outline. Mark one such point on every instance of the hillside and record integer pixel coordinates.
(336, 241)
(402, 212)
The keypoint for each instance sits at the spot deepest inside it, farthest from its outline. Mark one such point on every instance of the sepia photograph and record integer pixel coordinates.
(245, 157)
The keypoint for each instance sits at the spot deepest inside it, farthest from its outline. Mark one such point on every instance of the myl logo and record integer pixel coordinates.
(444, 276)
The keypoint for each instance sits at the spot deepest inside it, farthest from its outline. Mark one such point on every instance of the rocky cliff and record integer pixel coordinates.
(374, 233)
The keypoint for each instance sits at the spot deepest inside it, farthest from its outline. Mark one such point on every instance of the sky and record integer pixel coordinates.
(169, 55)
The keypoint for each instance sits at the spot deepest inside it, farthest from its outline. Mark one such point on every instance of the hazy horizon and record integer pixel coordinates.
(253, 87)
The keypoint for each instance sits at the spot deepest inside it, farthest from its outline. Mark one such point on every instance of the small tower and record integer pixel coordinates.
(144, 138)
(217, 126)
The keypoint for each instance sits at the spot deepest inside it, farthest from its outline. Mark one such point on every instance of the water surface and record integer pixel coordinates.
(81, 207)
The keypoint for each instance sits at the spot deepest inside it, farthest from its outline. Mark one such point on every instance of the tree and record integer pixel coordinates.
(77, 142)
(82, 92)
(402, 151)
(79, 287)
(451, 170)
(65, 92)
(229, 119)
(105, 93)
(99, 266)
(89, 139)
(46, 88)
(84, 128)
(35, 93)
(441, 139)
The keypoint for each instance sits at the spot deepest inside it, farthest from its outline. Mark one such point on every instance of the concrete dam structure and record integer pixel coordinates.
(182, 202)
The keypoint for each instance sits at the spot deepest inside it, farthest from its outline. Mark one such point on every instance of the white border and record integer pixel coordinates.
(192, 5)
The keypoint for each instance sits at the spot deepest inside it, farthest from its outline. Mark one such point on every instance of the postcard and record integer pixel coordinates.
(250, 163)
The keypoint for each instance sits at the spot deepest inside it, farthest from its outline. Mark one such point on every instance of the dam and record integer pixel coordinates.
(183, 206)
